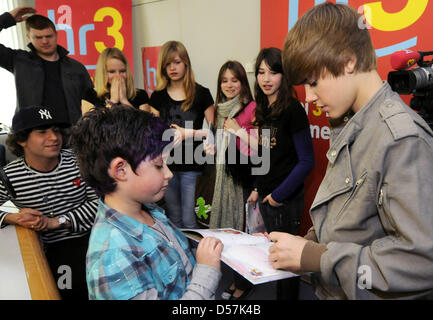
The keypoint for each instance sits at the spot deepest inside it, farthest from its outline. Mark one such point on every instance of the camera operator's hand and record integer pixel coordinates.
(20, 13)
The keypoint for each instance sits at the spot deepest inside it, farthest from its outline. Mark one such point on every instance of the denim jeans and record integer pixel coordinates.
(180, 199)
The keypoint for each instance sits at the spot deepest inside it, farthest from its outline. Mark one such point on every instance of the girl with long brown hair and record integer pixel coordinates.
(183, 104)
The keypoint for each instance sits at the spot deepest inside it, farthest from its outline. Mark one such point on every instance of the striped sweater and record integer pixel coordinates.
(60, 191)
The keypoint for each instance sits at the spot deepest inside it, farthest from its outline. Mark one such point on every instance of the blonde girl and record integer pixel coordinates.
(114, 83)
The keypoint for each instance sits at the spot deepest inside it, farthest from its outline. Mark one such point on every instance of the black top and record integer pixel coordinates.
(171, 112)
(53, 94)
(140, 98)
(283, 156)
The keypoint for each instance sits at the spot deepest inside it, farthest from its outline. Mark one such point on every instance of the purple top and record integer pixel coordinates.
(305, 152)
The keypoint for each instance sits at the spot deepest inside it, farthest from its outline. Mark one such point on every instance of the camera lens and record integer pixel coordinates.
(423, 77)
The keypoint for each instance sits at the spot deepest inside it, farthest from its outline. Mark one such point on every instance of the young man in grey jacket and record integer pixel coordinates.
(372, 234)
(45, 75)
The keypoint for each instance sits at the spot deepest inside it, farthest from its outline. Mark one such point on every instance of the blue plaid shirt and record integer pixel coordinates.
(126, 257)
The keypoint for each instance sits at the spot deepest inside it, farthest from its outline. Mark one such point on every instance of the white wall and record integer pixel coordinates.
(213, 31)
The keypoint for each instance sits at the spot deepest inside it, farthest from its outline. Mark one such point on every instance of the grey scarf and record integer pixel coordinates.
(227, 204)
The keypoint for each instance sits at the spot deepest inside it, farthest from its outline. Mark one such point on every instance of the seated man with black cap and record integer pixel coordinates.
(44, 183)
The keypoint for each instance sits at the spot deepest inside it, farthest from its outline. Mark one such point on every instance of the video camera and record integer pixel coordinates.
(417, 81)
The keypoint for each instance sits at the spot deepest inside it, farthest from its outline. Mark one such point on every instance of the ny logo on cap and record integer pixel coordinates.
(45, 113)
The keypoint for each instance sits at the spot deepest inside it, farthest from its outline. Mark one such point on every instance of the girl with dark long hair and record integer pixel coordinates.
(283, 130)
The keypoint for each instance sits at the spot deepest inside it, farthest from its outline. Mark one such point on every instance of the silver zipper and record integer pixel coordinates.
(354, 191)
(380, 198)
(359, 182)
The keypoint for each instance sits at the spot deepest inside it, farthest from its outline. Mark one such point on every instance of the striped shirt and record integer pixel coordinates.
(60, 192)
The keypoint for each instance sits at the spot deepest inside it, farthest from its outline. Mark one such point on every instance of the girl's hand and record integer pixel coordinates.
(210, 149)
(146, 107)
(271, 201)
(254, 196)
(114, 89)
(232, 126)
(123, 98)
(185, 133)
(179, 134)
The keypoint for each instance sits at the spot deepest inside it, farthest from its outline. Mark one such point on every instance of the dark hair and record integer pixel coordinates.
(14, 138)
(239, 72)
(272, 57)
(39, 22)
(120, 131)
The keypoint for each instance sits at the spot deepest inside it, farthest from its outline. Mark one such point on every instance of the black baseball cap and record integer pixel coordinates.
(38, 116)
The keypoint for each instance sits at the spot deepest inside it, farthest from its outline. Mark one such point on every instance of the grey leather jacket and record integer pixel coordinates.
(374, 207)
(28, 70)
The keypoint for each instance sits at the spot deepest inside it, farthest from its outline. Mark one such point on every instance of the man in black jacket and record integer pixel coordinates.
(45, 75)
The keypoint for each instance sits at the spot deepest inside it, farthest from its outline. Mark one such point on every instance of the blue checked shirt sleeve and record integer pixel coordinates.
(117, 275)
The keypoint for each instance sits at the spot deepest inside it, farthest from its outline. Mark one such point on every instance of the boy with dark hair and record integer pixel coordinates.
(46, 186)
(372, 223)
(45, 75)
(135, 252)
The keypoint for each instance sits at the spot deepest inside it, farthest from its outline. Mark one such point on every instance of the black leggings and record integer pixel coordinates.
(286, 218)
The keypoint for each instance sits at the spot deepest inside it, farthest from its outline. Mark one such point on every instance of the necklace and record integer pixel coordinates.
(50, 181)
(161, 231)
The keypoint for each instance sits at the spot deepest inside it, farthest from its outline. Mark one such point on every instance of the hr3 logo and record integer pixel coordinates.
(65, 23)
(86, 33)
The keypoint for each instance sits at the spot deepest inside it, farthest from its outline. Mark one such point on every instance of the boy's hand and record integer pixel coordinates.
(287, 251)
(209, 252)
(19, 13)
(28, 218)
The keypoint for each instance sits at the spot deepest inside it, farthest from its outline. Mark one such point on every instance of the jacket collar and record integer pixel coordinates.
(127, 224)
(60, 50)
(347, 133)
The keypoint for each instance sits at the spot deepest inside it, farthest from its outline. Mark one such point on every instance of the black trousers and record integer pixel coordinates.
(286, 218)
(67, 260)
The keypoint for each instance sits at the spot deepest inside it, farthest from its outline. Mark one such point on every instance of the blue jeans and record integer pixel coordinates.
(180, 199)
